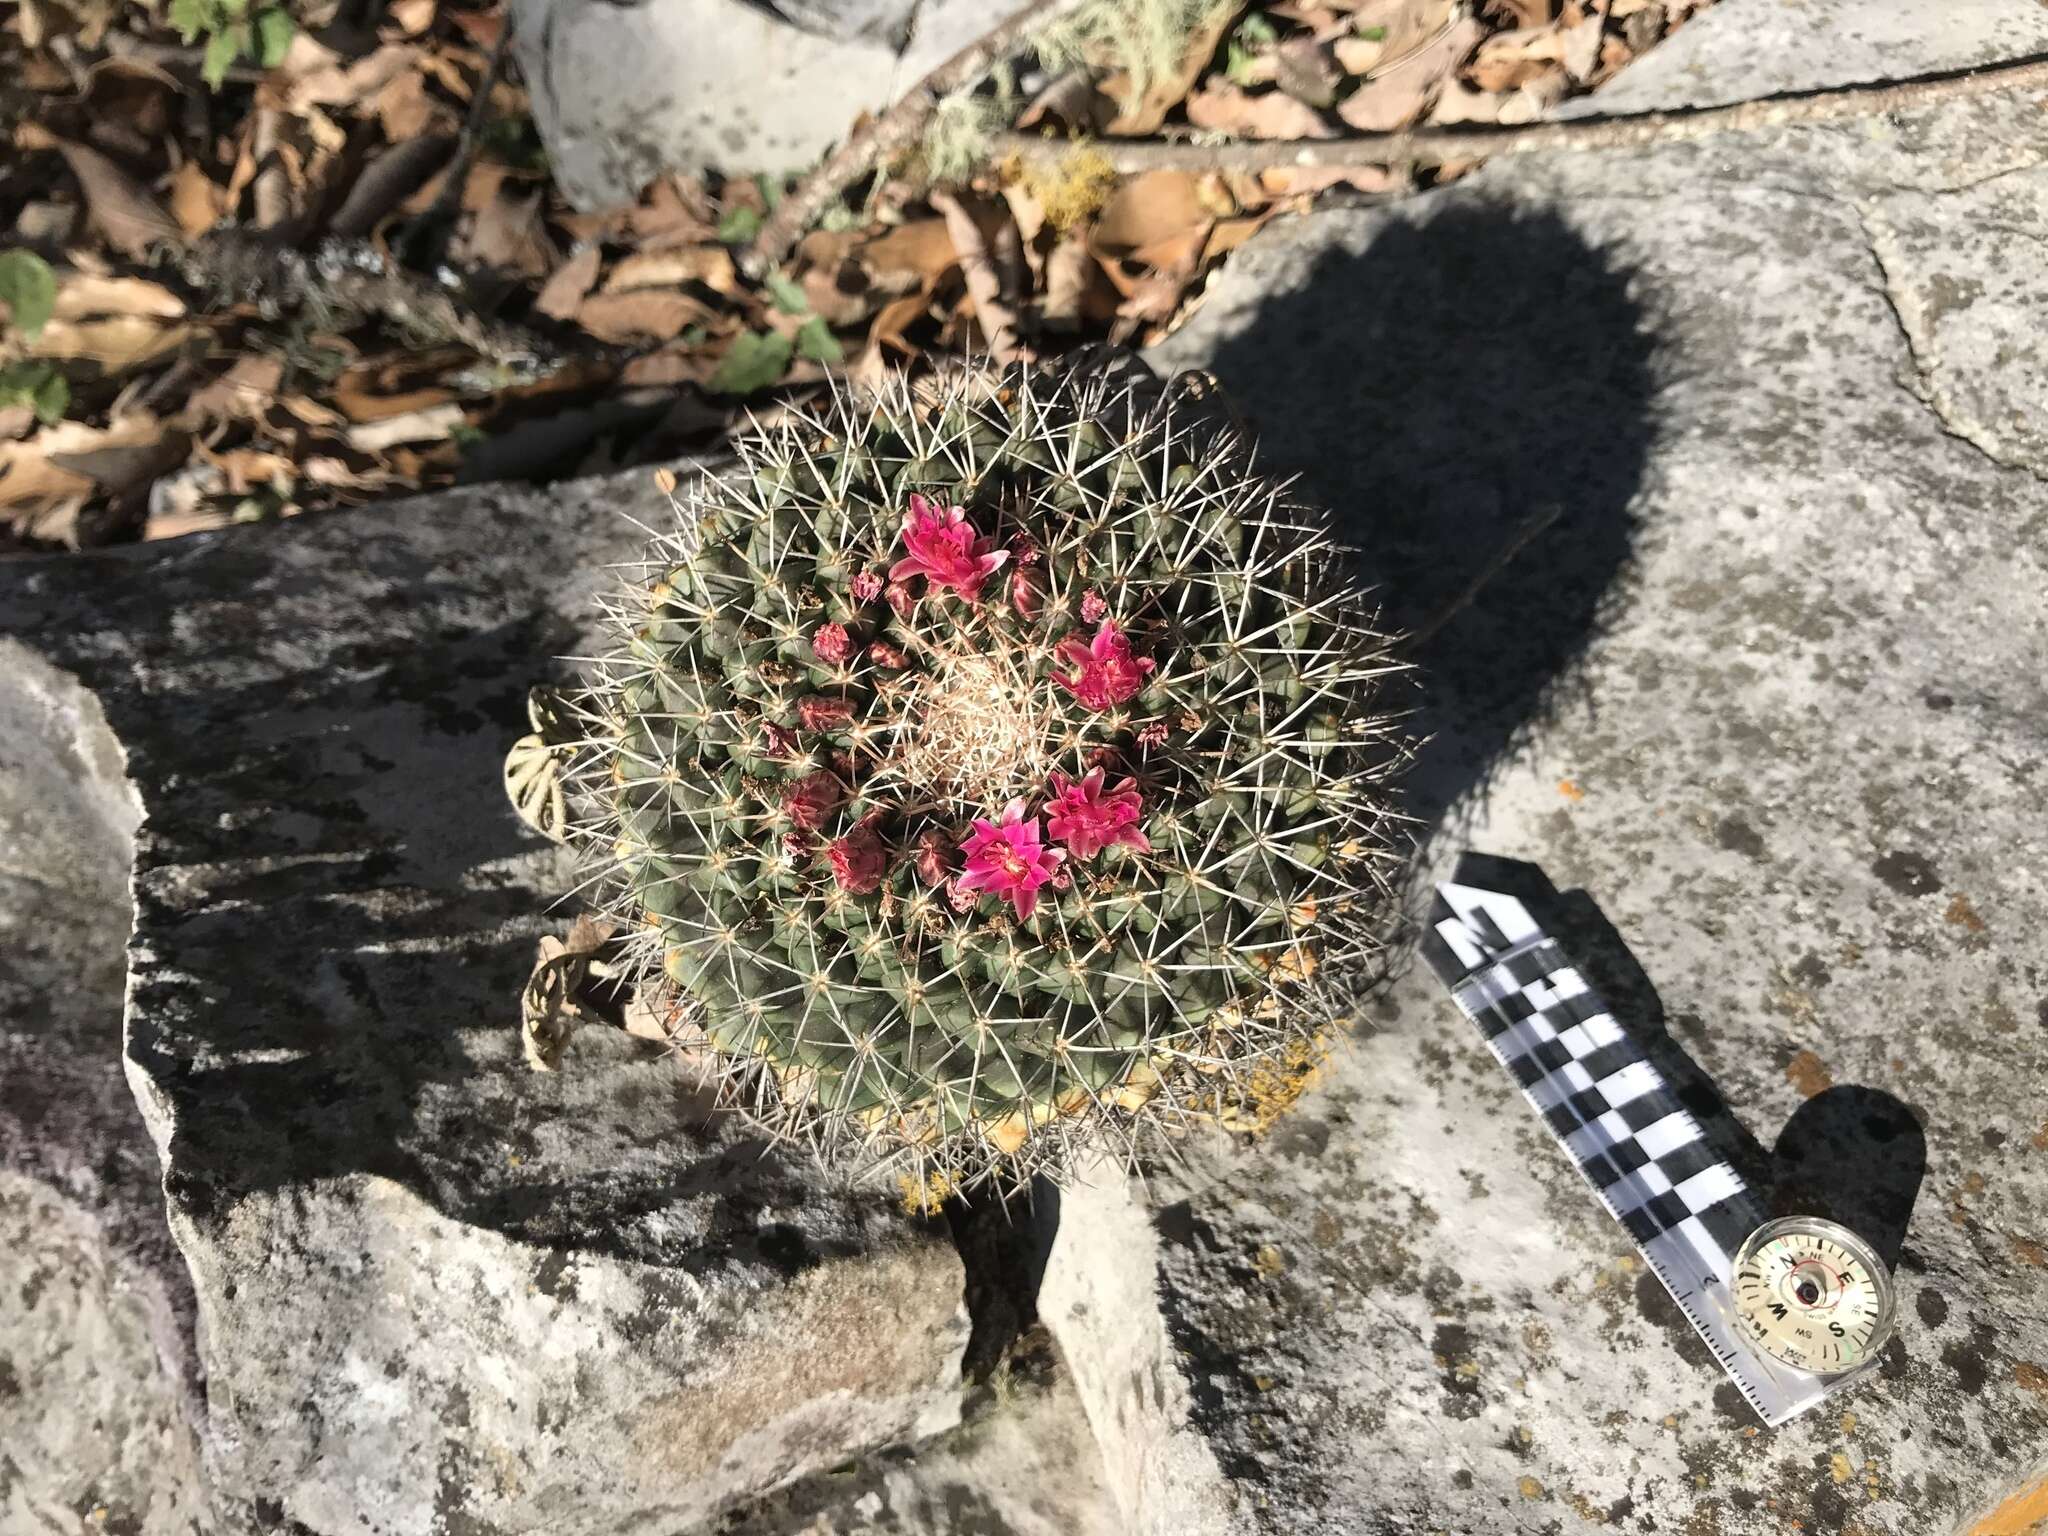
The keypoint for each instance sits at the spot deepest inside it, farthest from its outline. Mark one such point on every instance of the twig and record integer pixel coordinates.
(425, 243)
(894, 130)
(984, 284)
(1443, 146)
(1462, 599)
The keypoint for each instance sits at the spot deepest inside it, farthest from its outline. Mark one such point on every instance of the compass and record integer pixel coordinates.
(1812, 1295)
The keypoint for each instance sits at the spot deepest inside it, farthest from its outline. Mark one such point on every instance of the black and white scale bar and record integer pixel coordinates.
(1595, 1087)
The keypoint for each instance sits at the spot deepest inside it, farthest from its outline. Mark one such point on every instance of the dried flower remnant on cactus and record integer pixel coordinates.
(1052, 835)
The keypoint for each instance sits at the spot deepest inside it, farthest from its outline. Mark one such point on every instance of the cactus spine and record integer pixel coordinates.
(994, 764)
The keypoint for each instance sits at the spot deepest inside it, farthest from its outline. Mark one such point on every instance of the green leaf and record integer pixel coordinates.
(1373, 34)
(770, 189)
(52, 398)
(234, 9)
(29, 288)
(36, 385)
(757, 359)
(222, 49)
(739, 225)
(274, 29)
(814, 340)
(787, 294)
(189, 17)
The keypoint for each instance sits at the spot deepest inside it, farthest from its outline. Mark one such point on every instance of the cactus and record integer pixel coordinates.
(994, 762)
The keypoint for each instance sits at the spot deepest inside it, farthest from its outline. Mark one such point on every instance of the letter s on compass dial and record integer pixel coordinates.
(1812, 1295)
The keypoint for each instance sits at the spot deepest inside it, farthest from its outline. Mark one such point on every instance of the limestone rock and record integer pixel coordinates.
(1737, 50)
(434, 1289)
(1769, 692)
(99, 1388)
(624, 92)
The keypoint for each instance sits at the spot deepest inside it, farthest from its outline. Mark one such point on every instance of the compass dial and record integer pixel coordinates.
(1812, 1295)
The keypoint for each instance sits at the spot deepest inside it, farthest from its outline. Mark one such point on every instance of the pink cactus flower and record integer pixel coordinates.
(796, 844)
(883, 654)
(1152, 737)
(960, 899)
(777, 741)
(1008, 858)
(1088, 818)
(1109, 674)
(812, 798)
(824, 712)
(902, 600)
(1024, 549)
(932, 857)
(943, 548)
(867, 586)
(1092, 606)
(831, 644)
(858, 860)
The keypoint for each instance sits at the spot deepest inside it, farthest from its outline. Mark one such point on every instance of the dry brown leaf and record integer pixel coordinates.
(511, 234)
(673, 211)
(482, 28)
(710, 265)
(895, 318)
(412, 17)
(399, 173)
(565, 288)
(244, 393)
(361, 405)
(84, 294)
(405, 109)
(998, 319)
(347, 85)
(311, 412)
(29, 480)
(1301, 180)
(1395, 97)
(645, 314)
(1145, 114)
(196, 203)
(1459, 103)
(1070, 271)
(841, 295)
(1270, 115)
(1528, 13)
(1305, 70)
(671, 365)
(118, 204)
(430, 424)
(1072, 101)
(1149, 208)
(245, 469)
(909, 257)
(1358, 55)
(115, 342)
(1581, 47)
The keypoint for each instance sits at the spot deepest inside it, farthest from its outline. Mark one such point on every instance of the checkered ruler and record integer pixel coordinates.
(1609, 1107)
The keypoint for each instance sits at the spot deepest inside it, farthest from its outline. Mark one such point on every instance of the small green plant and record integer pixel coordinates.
(233, 31)
(29, 290)
(993, 766)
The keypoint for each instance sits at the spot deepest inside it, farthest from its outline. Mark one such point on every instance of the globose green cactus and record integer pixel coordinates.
(993, 765)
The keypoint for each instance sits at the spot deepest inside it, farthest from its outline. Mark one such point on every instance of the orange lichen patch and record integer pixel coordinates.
(2024, 1513)
(925, 1195)
(2027, 1251)
(2031, 1376)
(1273, 1089)
(1809, 1074)
(1570, 790)
(1962, 914)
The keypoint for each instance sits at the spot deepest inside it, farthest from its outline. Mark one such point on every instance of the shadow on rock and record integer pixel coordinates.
(1854, 1155)
(1465, 371)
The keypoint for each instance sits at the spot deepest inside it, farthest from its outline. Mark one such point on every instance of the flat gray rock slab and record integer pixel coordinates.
(1741, 49)
(622, 93)
(99, 1380)
(434, 1290)
(1771, 692)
